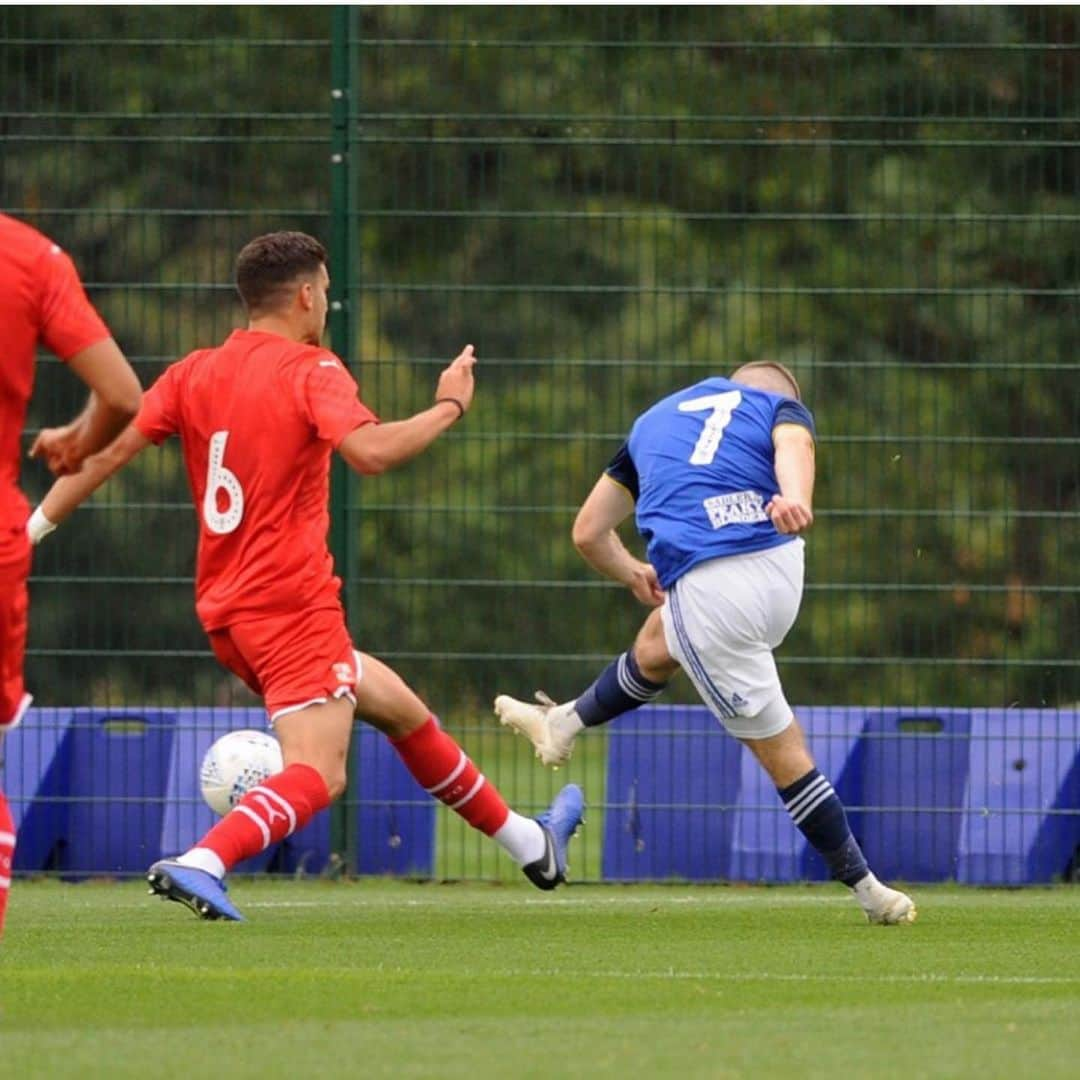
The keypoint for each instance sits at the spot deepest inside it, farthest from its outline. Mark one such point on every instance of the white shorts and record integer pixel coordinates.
(722, 620)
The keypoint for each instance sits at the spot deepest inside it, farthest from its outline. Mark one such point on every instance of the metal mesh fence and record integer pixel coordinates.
(609, 203)
(143, 143)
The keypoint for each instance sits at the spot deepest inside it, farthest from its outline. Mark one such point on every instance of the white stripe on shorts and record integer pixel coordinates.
(296, 708)
(694, 660)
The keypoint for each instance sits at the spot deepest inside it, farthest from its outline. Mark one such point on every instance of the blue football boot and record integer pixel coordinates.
(196, 889)
(559, 822)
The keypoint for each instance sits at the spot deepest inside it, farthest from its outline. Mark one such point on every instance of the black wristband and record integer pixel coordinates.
(453, 401)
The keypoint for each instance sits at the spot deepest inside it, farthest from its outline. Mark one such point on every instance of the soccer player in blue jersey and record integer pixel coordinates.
(721, 478)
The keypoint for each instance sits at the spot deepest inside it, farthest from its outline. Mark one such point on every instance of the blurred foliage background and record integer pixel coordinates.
(609, 203)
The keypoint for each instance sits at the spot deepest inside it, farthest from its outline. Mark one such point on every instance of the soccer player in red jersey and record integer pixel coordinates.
(259, 417)
(42, 301)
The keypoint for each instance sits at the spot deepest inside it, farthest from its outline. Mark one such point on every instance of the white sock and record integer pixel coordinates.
(865, 888)
(201, 858)
(522, 839)
(566, 723)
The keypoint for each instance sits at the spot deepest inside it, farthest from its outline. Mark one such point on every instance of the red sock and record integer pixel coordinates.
(7, 855)
(268, 813)
(445, 771)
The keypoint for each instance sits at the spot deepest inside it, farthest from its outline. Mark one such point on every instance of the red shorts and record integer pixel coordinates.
(291, 661)
(14, 607)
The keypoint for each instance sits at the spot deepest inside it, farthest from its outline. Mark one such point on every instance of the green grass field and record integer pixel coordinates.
(375, 978)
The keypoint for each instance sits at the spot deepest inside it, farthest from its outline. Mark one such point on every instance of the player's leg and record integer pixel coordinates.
(725, 619)
(816, 810)
(809, 798)
(14, 700)
(7, 855)
(304, 666)
(447, 773)
(314, 747)
(635, 678)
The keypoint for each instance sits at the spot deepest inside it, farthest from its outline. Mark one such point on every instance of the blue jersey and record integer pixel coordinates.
(700, 466)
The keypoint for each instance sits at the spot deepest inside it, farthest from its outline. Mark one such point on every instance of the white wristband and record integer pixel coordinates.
(38, 527)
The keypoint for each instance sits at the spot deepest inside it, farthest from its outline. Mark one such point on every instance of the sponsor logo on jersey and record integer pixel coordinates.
(735, 508)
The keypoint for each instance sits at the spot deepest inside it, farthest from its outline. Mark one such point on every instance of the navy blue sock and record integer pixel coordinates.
(620, 688)
(818, 812)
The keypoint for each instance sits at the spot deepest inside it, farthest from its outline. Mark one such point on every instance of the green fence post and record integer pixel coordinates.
(342, 319)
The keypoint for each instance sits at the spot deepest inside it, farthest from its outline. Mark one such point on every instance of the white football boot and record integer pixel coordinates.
(549, 727)
(882, 905)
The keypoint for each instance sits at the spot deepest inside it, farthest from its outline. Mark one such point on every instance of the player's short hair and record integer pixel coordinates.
(768, 375)
(268, 265)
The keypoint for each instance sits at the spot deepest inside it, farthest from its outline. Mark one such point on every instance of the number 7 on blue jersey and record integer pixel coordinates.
(722, 406)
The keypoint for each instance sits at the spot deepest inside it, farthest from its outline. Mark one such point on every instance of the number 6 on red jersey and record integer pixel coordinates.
(219, 478)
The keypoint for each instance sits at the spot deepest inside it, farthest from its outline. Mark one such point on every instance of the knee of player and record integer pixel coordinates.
(652, 655)
(330, 766)
(336, 779)
(659, 667)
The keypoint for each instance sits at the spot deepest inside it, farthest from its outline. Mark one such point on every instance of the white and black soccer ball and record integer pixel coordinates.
(236, 763)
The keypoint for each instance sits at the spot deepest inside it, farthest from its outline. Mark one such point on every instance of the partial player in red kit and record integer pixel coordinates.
(259, 417)
(42, 301)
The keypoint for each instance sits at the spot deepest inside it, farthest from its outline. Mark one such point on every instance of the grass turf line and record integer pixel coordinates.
(388, 979)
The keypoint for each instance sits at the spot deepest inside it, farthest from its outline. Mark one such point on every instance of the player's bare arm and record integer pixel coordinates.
(115, 395)
(69, 492)
(792, 510)
(608, 505)
(375, 448)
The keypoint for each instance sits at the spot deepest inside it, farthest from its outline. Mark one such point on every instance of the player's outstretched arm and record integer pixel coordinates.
(608, 505)
(115, 395)
(69, 492)
(792, 510)
(374, 448)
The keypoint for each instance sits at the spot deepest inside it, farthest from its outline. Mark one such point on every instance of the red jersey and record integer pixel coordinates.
(258, 417)
(41, 300)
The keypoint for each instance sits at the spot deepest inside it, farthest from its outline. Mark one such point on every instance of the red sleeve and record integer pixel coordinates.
(331, 400)
(159, 416)
(68, 322)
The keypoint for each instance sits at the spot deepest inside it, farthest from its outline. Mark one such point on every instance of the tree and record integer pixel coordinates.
(609, 203)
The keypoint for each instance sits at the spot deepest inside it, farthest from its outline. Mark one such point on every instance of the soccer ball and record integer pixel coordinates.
(235, 764)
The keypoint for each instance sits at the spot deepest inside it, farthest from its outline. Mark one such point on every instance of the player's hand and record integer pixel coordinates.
(789, 515)
(456, 381)
(60, 448)
(645, 586)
